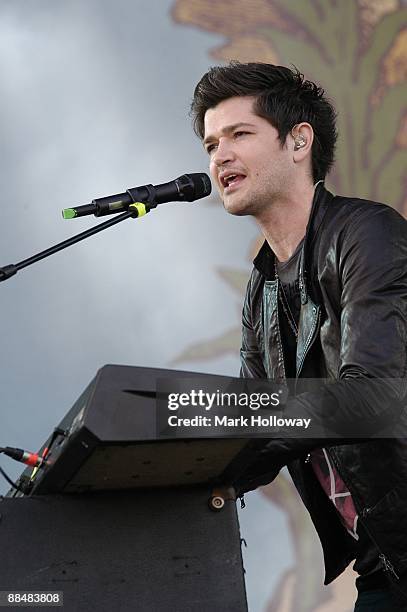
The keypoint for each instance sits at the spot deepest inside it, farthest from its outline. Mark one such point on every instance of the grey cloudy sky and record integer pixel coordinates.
(94, 99)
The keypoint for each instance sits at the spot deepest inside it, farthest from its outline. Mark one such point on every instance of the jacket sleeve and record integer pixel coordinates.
(372, 266)
(369, 393)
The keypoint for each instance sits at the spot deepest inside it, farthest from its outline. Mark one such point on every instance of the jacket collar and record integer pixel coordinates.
(264, 260)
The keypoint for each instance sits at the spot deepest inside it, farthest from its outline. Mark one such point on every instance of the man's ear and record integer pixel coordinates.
(301, 139)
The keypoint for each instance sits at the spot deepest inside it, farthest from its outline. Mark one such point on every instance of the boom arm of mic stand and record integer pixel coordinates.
(138, 209)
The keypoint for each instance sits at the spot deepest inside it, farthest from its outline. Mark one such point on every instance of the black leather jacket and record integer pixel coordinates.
(353, 327)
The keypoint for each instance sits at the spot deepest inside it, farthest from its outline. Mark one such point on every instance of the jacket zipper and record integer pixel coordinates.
(387, 565)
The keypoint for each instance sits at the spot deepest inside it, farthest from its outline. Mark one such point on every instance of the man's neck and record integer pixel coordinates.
(284, 223)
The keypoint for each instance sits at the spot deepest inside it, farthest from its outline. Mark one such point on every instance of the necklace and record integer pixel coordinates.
(284, 303)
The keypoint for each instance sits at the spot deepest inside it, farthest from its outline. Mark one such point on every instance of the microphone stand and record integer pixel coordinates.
(138, 209)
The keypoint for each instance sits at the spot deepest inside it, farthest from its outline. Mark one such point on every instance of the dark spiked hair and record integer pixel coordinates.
(283, 97)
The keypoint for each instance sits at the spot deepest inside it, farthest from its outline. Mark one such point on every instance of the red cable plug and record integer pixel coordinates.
(32, 459)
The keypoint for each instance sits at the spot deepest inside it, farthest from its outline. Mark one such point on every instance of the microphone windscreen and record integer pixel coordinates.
(195, 185)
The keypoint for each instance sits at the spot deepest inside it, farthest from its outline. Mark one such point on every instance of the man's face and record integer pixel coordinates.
(247, 163)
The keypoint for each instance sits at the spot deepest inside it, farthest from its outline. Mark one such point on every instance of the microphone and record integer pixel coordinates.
(185, 188)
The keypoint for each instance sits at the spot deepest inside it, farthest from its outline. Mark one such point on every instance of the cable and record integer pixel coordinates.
(32, 459)
(13, 484)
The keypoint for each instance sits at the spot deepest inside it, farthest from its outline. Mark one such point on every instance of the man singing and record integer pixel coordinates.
(327, 298)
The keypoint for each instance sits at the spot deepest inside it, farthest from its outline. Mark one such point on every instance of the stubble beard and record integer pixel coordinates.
(245, 204)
